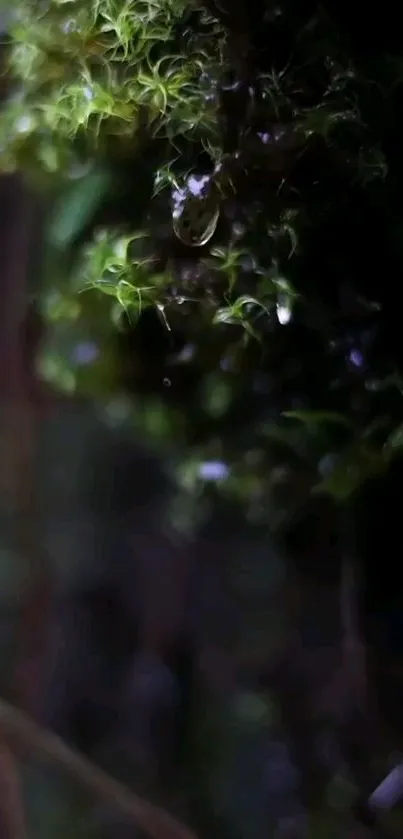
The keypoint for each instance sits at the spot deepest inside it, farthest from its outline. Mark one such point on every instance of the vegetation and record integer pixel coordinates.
(226, 182)
(223, 245)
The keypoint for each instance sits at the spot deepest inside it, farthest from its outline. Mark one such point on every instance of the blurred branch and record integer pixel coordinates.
(12, 821)
(354, 652)
(18, 431)
(44, 745)
(17, 445)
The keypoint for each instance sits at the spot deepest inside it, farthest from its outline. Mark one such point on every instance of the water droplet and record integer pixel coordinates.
(283, 314)
(25, 124)
(214, 470)
(187, 353)
(356, 358)
(88, 93)
(85, 353)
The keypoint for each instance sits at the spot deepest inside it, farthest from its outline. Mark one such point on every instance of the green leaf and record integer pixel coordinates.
(395, 439)
(314, 418)
(352, 468)
(77, 207)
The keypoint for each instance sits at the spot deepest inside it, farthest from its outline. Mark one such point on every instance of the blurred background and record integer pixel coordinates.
(200, 380)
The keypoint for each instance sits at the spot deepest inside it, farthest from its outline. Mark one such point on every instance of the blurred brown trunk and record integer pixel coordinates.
(320, 681)
(18, 427)
(12, 821)
(16, 433)
(16, 419)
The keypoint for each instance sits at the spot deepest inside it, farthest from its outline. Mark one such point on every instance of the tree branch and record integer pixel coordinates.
(12, 820)
(26, 735)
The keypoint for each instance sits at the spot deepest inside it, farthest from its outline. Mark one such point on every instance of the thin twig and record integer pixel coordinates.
(43, 744)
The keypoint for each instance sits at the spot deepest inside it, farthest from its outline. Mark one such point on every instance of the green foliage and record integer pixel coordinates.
(234, 172)
(101, 71)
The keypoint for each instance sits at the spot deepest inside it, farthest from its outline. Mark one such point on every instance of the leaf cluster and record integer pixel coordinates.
(228, 180)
